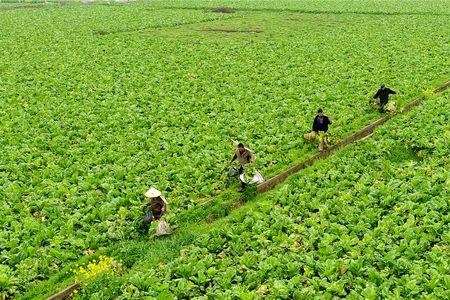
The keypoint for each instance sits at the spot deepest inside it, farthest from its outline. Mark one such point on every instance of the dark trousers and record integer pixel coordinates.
(241, 171)
(382, 104)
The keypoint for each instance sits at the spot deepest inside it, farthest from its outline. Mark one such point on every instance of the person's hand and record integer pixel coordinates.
(229, 162)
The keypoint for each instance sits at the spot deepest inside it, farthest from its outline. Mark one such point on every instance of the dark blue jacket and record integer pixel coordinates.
(383, 94)
(321, 123)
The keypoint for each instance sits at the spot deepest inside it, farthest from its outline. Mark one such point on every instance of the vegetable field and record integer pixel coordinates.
(370, 223)
(100, 101)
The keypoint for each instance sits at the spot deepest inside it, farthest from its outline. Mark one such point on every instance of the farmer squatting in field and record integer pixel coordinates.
(154, 209)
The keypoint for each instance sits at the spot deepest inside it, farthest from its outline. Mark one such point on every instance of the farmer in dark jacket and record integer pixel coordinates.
(321, 122)
(383, 95)
(320, 127)
(244, 156)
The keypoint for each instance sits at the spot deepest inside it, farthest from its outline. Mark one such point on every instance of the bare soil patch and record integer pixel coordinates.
(101, 32)
(223, 10)
(212, 218)
(233, 30)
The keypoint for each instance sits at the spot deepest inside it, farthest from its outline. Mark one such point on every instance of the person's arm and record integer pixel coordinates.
(377, 95)
(391, 92)
(329, 120)
(233, 159)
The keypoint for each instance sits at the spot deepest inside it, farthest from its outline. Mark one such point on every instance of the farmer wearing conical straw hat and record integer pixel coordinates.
(155, 207)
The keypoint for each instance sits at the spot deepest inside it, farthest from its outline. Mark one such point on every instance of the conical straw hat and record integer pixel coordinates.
(152, 193)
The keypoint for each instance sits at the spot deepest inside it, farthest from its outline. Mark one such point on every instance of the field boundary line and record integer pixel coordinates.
(357, 136)
(65, 292)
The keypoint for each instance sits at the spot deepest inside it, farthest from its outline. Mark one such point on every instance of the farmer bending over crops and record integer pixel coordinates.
(383, 96)
(319, 128)
(154, 210)
(244, 156)
(155, 207)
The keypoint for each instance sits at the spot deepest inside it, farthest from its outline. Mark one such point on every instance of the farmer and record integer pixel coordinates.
(320, 126)
(383, 96)
(155, 207)
(320, 122)
(244, 156)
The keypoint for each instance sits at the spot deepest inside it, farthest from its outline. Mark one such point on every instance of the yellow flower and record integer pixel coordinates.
(428, 92)
(105, 265)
